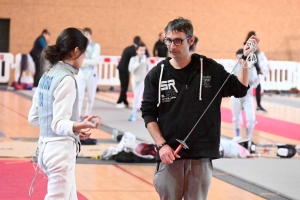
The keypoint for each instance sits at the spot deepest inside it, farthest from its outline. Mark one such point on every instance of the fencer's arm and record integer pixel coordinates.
(243, 75)
(64, 95)
(133, 64)
(254, 78)
(33, 116)
(264, 63)
(95, 57)
(155, 133)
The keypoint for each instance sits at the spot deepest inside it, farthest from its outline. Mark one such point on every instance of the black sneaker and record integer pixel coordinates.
(89, 141)
(261, 109)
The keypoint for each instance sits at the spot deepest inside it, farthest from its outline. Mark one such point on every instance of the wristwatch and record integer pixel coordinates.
(160, 146)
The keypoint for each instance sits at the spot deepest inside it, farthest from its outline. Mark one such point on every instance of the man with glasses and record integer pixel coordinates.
(177, 92)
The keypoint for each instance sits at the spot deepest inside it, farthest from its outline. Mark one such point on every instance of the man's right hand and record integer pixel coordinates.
(166, 154)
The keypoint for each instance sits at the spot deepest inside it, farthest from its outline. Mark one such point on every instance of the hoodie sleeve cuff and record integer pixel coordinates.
(148, 119)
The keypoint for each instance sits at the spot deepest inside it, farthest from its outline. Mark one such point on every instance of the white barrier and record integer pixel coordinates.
(153, 61)
(6, 62)
(107, 69)
(284, 75)
(298, 76)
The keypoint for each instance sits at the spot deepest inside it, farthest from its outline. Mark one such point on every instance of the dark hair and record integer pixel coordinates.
(45, 31)
(194, 44)
(249, 35)
(141, 44)
(180, 25)
(67, 41)
(88, 30)
(240, 51)
(137, 40)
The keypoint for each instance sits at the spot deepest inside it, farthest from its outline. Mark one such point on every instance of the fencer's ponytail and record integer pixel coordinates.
(52, 54)
(66, 42)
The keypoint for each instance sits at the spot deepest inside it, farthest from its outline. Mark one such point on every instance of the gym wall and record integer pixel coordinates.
(221, 26)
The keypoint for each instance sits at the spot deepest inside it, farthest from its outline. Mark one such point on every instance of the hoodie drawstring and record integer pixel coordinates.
(201, 75)
(159, 84)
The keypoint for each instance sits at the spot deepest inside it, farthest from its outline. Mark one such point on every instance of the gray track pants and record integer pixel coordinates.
(186, 178)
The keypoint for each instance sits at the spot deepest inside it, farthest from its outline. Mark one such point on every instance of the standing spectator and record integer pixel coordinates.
(147, 52)
(39, 44)
(174, 100)
(88, 76)
(55, 111)
(259, 72)
(160, 49)
(246, 103)
(128, 52)
(138, 68)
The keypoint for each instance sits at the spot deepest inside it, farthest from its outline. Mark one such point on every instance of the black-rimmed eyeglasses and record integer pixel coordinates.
(176, 42)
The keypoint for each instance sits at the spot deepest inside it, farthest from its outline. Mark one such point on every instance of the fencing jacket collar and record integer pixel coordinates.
(70, 67)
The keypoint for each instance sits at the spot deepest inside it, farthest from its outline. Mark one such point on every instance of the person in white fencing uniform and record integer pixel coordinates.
(138, 67)
(264, 72)
(232, 149)
(54, 110)
(263, 62)
(262, 68)
(88, 76)
(245, 103)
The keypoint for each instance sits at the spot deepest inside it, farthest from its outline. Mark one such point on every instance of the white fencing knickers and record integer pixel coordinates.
(236, 107)
(57, 158)
(87, 81)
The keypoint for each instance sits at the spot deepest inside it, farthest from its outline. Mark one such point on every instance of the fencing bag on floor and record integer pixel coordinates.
(145, 150)
(130, 157)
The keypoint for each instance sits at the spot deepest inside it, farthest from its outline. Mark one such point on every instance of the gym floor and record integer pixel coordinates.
(267, 177)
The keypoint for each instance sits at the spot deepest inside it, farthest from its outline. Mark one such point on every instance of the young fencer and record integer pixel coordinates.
(244, 103)
(88, 75)
(138, 67)
(55, 111)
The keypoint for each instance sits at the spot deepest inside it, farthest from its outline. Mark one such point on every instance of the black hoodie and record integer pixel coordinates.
(178, 107)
